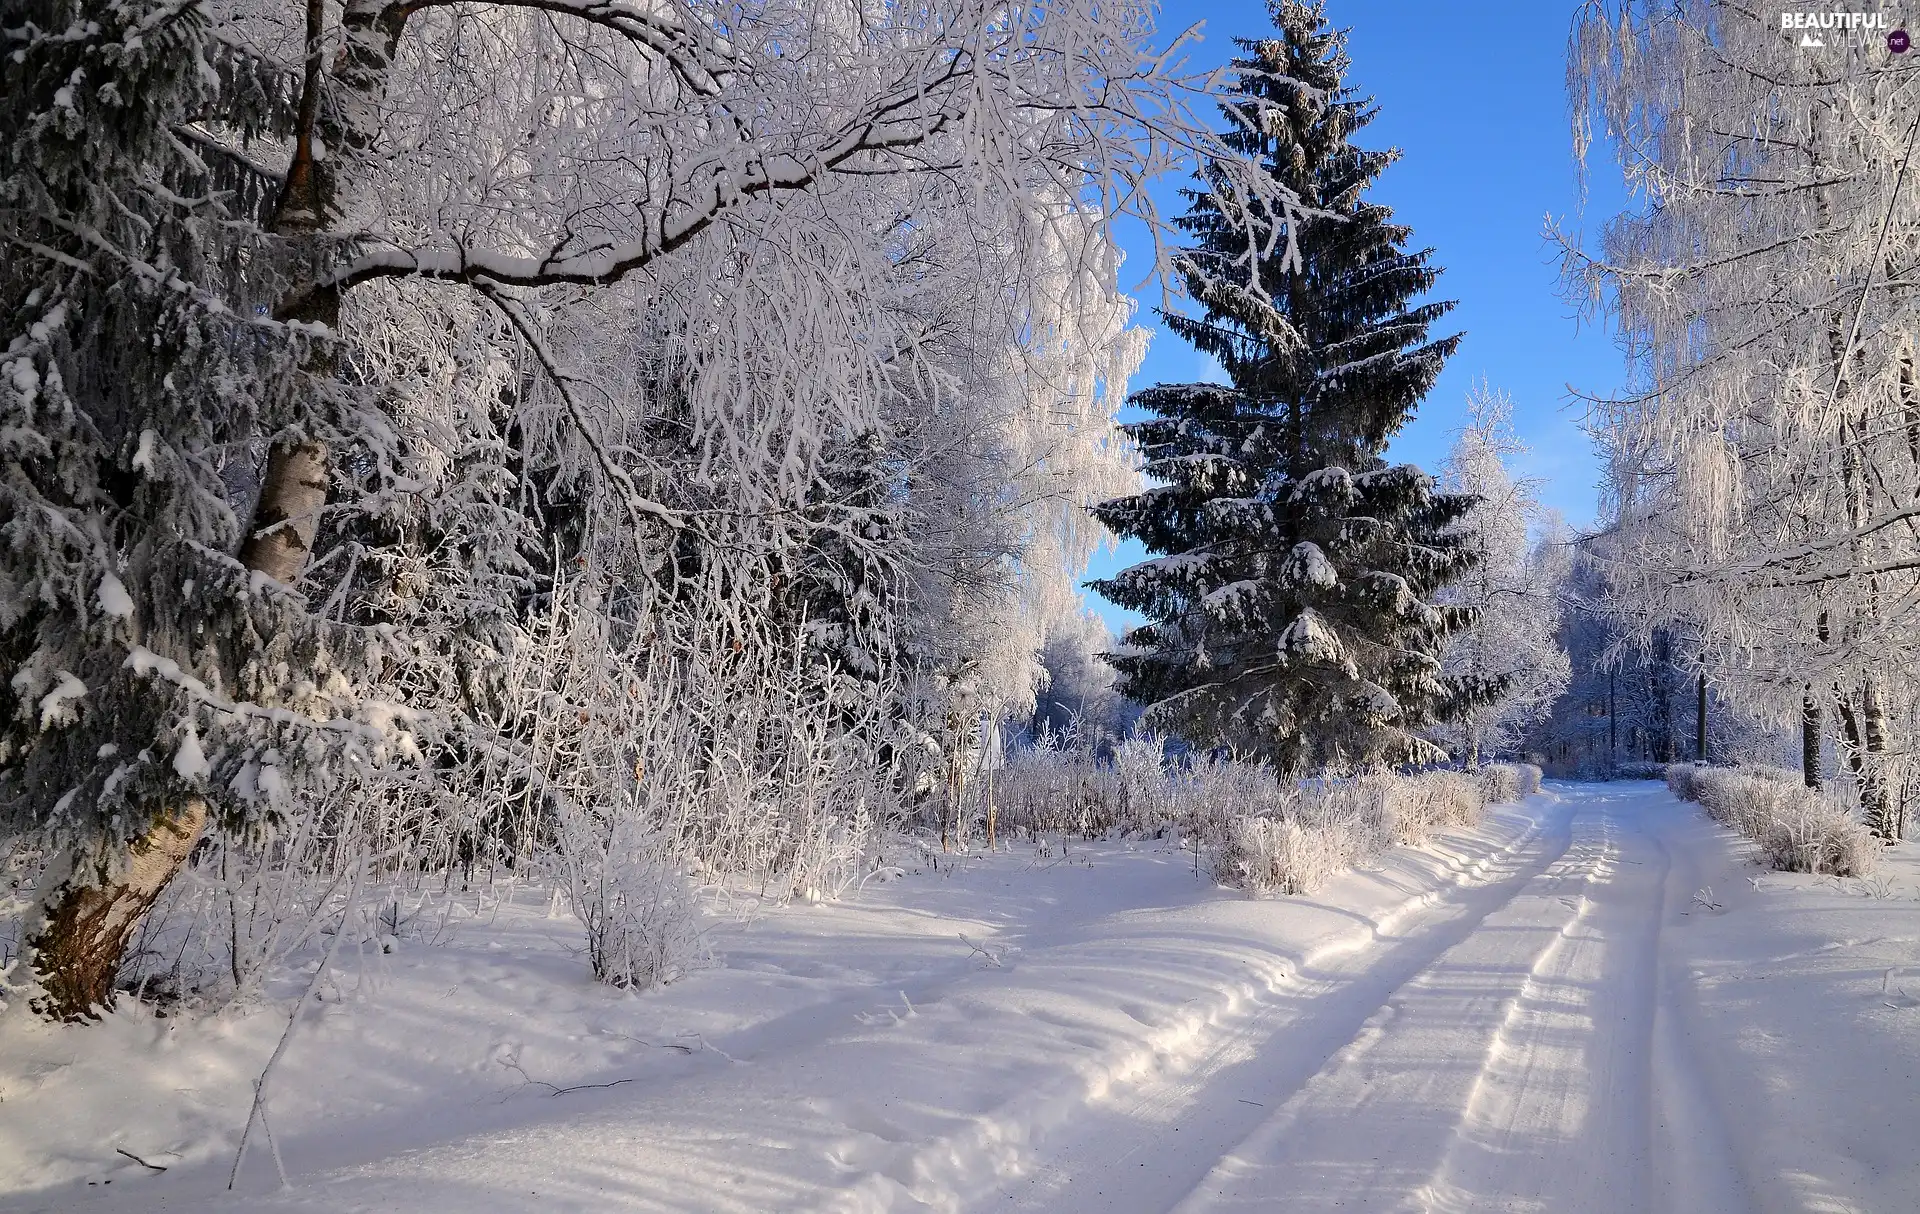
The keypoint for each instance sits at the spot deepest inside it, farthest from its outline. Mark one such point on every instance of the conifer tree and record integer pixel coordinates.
(155, 680)
(1291, 597)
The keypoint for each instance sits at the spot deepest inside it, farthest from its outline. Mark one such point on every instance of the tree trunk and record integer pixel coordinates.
(1660, 685)
(1810, 738)
(1875, 797)
(1700, 722)
(85, 923)
(284, 522)
(1613, 725)
(1856, 749)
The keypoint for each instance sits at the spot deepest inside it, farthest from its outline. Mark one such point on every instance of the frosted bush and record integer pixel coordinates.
(1279, 856)
(1498, 782)
(1504, 782)
(631, 893)
(1304, 835)
(1679, 777)
(1819, 835)
(1411, 808)
(1796, 829)
(244, 907)
(1061, 785)
(1140, 771)
(1251, 830)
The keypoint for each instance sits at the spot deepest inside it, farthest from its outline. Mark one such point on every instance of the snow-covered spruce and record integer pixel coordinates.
(1291, 597)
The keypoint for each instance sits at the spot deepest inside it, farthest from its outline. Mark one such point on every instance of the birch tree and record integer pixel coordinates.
(1513, 586)
(1764, 465)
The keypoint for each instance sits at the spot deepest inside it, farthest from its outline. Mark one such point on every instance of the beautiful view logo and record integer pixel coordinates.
(1814, 27)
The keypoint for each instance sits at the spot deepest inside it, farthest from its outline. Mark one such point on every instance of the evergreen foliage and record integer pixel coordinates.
(146, 667)
(1292, 595)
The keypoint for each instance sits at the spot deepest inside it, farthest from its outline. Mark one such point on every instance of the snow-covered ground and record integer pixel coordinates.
(1591, 1002)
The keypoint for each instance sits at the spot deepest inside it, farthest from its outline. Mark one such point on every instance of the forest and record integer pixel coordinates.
(634, 465)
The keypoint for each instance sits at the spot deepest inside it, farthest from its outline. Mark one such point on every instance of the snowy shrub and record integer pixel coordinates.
(1140, 771)
(1061, 785)
(1251, 829)
(1638, 769)
(1679, 777)
(630, 891)
(1819, 835)
(243, 907)
(1279, 856)
(1498, 782)
(1413, 807)
(1796, 829)
(1302, 835)
(1212, 794)
(1504, 782)
(612, 779)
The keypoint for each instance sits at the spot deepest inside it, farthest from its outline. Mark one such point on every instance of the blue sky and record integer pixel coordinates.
(1475, 98)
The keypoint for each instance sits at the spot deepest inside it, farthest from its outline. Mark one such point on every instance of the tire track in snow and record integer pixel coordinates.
(1695, 1166)
(1150, 1143)
(1558, 1118)
(1511, 1074)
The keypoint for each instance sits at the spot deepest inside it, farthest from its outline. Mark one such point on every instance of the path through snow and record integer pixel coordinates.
(1548, 1013)
(1511, 1047)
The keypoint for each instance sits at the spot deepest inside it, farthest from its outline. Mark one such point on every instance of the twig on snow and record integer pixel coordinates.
(997, 959)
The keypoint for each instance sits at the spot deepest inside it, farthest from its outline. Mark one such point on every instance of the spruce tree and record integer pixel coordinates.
(155, 682)
(1291, 597)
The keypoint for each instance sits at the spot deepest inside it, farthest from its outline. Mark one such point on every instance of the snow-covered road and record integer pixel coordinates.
(1592, 1002)
(1515, 1045)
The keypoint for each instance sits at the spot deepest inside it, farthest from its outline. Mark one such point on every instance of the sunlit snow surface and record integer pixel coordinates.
(1536, 1015)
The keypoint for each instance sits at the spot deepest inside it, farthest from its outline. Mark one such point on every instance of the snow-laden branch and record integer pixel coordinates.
(699, 200)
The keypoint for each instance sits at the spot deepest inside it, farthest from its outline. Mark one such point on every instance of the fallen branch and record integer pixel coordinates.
(995, 959)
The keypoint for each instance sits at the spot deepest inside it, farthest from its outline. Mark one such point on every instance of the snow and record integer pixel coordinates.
(55, 706)
(1594, 1001)
(1309, 636)
(190, 762)
(1308, 566)
(114, 599)
(143, 455)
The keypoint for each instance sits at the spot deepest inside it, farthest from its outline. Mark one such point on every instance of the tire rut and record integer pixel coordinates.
(1331, 1010)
